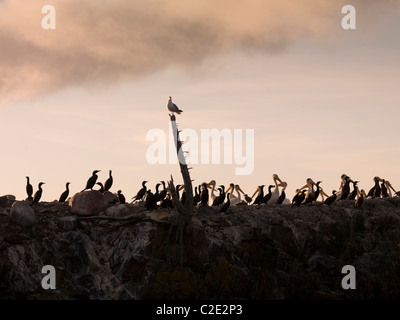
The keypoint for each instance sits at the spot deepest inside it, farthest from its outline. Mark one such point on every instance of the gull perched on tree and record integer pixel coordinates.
(173, 107)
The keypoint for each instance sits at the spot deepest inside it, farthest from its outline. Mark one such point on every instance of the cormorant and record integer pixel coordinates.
(346, 189)
(108, 183)
(157, 194)
(65, 194)
(260, 195)
(141, 192)
(101, 187)
(217, 201)
(121, 197)
(299, 198)
(150, 202)
(204, 195)
(163, 192)
(223, 193)
(330, 199)
(296, 196)
(384, 190)
(313, 196)
(354, 193)
(91, 181)
(29, 189)
(247, 198)
(196, 198)
(359, 201)
(318, 191)
(167, 202)
(268, 196)
(38, 194)
(226, 205)
(376, 189)
(282, 197)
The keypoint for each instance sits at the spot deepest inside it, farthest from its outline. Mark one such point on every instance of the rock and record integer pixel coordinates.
(68, 223)
(119, 210)
(110, 197)
(22, 214)
(87, 203)
(266, 252)
(7, 200)
(51, 224)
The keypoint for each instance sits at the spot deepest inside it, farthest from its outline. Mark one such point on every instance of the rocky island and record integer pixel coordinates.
(124, 251)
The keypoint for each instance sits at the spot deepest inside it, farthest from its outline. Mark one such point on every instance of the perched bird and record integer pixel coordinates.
(260, 196)
(268, 195)
(345, 190)
(150, 202)
(211, 185)
(384, 189)
(108, 183)
(282, 197)
(389, 188)
(296, 196)
(65, 194)
(38, 194)
(375, 191)
(140, 194)
(121, 197)
(226, 205)
(354, 193)
(29, 189)
(247, 198)
(167, 202)
(196, 198)
(91, 181)
(101, 187)
(163, 192)
(177, 190)
(275, 194)
(313, 196)
(330, 199)
(173, 107)
(204, 194)
(359, 201)
(219, 199)
(157, 194)
(299, 198)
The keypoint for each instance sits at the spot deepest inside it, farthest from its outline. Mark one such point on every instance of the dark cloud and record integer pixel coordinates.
(109, 41)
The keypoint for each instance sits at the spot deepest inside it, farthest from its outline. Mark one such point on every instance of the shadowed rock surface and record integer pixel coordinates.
(260, 252)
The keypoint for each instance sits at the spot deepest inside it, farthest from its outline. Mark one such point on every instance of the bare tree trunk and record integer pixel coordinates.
(184, 211)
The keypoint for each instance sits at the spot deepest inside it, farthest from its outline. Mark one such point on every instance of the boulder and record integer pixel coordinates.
(110, 197)
(22, 214)
(119, 210)
(7, 200)
(87, 203)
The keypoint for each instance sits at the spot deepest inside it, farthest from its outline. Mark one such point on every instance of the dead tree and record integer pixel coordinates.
(184, 211)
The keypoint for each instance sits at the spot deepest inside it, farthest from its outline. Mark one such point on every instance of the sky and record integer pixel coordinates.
(322, 101)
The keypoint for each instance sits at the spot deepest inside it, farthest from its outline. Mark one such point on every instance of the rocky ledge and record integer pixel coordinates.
(253, 252)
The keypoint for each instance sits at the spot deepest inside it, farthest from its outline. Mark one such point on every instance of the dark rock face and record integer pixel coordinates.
(260, 252)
